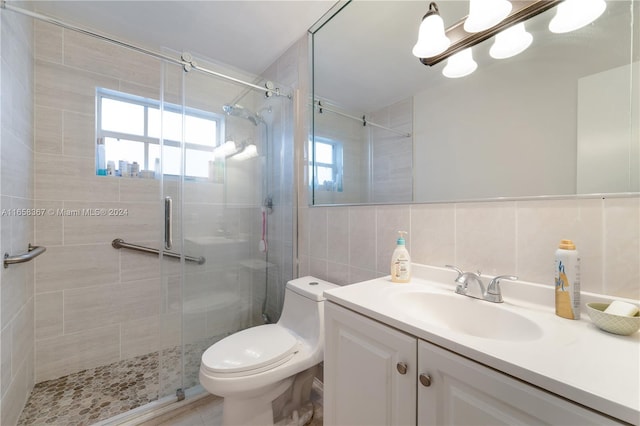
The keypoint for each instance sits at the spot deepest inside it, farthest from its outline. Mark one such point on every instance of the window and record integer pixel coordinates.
(327, 175)
(130, 128)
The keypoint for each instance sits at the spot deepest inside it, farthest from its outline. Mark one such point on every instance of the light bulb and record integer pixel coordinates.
(224, 150)
(460, 65)
(249, 151)
(484, 14)
(431, 36)
(510, 42)
(575, 14)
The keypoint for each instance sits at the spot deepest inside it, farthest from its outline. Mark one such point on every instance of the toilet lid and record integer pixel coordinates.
(250, 349)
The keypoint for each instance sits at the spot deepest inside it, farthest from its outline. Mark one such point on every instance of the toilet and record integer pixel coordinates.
(252, 368)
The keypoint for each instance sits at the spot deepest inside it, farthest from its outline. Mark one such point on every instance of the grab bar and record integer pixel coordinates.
(119, 243)
(32, 252)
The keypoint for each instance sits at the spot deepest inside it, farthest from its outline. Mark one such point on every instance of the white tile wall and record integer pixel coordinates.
(506, 237)
(16, 192)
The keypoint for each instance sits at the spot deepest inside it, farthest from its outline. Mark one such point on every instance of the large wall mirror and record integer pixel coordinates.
(559, 119)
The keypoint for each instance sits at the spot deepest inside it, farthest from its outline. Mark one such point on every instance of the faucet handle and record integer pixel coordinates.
(455, 268)
(494, 292)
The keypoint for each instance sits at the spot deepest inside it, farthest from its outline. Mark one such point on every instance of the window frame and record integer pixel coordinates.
(219, 119)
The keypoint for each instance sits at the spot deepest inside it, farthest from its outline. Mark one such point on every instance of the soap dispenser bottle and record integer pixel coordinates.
(401, 261)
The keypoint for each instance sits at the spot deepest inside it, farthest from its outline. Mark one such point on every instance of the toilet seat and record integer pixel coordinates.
(250, 351)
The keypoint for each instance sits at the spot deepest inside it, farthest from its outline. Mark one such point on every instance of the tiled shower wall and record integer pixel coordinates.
(85, 314)
(392, 154)
(93, 304)
(16, 191)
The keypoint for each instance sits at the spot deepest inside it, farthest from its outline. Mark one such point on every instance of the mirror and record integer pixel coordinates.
(559, 119)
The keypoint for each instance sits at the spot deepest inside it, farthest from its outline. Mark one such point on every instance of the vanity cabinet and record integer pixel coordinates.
(378, 375)
(463, 392)
(369, 371)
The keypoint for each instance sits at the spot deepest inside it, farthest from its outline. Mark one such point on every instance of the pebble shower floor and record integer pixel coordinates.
(96, 394)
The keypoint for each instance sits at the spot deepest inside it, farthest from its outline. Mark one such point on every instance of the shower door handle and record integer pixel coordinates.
(168, 219)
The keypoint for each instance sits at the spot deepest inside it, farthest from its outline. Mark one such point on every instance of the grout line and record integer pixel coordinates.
(455, 234)
(603, 233)
(517, 238)
(63, 311)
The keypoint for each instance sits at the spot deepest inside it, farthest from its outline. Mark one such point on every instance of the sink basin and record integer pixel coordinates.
(466, 315)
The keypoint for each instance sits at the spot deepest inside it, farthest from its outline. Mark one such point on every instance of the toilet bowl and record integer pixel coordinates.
(253, 367)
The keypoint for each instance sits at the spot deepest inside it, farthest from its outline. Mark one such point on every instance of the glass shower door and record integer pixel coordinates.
(228, 189)
(168, 161)
(222, 194)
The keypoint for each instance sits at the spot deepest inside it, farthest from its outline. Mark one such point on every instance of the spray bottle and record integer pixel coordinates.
(567, 280)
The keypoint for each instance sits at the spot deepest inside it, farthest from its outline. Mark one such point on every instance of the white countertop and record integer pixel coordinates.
(572, 358)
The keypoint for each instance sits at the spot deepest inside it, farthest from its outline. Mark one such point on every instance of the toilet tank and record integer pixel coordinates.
(303, 311)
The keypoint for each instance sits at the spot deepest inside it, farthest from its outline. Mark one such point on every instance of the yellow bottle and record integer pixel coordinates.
(567, 280)
(401, 262)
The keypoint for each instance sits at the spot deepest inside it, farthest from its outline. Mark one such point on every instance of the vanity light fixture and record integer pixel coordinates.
(461, 39)
(431, 37)
(484, 14)
(510, 42)
(460, 65)
(575, 14)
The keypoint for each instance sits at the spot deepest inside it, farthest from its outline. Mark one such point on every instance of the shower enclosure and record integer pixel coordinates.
(136, 151)
(230, 219)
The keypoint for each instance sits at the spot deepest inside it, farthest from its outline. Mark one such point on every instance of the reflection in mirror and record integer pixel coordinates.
(559, 119)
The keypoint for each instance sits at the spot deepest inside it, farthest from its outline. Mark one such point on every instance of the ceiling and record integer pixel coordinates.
(249, 35)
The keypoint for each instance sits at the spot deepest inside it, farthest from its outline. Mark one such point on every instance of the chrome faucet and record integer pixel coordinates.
(493, 293)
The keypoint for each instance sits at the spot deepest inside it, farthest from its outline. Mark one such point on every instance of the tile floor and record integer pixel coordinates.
(88, 396)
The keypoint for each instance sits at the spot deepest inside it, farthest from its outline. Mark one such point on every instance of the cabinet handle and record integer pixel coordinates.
(425, 380)
(402, 368)
(168, 219)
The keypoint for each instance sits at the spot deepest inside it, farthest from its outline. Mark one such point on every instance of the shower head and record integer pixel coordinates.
(240, 111)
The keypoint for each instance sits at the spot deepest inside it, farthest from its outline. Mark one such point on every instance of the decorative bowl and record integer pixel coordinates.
(616, 324)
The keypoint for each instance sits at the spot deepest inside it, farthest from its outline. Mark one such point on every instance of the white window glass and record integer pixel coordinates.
(153, 126)
(324, 153)
(122, 149)
(131, 128)
(171, 160)
(200, 131)
(172, 126)
(324, 174)
(123, 117)
(198, 163)
(328, 166)
(154, 152)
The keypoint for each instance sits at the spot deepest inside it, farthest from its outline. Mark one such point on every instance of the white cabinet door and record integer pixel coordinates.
(453, 390)
(364, 378)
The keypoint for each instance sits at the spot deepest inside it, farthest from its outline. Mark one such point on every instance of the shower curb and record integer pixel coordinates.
(160, 411)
